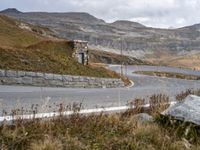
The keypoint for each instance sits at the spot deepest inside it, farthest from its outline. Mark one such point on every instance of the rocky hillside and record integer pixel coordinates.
(135, 39)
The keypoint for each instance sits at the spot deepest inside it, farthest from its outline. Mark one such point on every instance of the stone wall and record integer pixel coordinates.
(80, 47)
(9, 77)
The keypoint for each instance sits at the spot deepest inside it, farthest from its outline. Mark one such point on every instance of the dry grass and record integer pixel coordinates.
(169, 75)
(12, 36)
(119, 131)
(184, 94)
(113, 58)
(185, 61)
(101, 132)
(21, 49)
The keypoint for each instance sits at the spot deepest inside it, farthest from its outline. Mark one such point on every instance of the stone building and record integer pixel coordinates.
(80, 51)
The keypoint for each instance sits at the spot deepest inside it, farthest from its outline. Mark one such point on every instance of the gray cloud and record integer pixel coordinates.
(155, 13)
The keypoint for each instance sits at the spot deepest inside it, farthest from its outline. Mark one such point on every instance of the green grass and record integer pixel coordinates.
(169, 75)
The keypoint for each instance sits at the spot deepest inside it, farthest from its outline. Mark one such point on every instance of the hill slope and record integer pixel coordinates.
(22, 47)
(135, 39)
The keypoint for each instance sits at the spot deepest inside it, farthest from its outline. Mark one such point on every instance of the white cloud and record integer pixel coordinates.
(156, 13)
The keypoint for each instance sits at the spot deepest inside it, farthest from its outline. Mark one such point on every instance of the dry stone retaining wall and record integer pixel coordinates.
(9, 77)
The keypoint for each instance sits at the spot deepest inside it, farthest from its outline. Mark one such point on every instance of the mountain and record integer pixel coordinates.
(10, 10)
(133, 38)
(123, 24)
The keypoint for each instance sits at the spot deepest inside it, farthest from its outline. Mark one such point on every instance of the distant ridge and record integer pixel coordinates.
(127, 24)
(136, 39)
(10, 10)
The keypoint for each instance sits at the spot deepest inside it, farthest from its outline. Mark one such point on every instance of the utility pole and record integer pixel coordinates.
(121, 57)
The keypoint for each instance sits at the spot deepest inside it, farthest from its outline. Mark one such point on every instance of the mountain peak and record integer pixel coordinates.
(10, 10)
(86, 17)
(125, 23)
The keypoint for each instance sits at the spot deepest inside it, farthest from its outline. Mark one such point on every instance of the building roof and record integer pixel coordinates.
(80, 41)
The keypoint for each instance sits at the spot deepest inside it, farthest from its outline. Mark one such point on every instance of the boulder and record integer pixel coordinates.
(187, 110)
(143, 117)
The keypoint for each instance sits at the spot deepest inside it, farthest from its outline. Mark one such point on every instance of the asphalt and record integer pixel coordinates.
(49, 99)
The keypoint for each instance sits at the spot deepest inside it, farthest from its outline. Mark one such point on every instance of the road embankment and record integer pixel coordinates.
(10, 77)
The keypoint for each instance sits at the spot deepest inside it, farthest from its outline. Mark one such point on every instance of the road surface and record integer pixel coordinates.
(49, 99)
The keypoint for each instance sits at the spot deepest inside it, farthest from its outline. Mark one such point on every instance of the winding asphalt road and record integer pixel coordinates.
(48, 99)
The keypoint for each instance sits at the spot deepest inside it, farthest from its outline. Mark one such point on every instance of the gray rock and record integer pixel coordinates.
(31, 74)
(83, 79)
(2, 73)
(38, 74)
(21, 74)
(76, 78)
(48, 76)
(57, 83)
(187, 111)
(38, 81)
(10, 73)
(57, 77)
(67, 78)
(27, 80)
(11, 80)
(143, 117)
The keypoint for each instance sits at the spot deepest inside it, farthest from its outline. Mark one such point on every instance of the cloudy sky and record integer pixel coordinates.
(155, 13)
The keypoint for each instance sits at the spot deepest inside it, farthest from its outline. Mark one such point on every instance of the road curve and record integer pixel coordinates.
(48, 99)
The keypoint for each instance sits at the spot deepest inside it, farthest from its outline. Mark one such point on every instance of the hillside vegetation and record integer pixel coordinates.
(12, 36)
(169, 75)
(191, 61)
(32, 48)
(97, 56)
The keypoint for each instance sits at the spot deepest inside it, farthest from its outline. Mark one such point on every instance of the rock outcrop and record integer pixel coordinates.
(187, 111)
(143, 118)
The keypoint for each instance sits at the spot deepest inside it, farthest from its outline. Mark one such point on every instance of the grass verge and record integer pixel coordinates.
(119, 131)
(169, 75)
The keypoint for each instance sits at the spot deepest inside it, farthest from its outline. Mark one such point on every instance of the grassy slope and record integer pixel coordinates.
(186, 61)
(112, 58)
(169, 75)
(12, 36)
(24, 50)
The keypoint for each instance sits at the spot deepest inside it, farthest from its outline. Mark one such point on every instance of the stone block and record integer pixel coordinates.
(40, 75)
(30, 74)
(38, 81)
(48, 76)
(11, 80)
(83, 79)
(57, 83)
(10, 73)
(2, 73)
(57, 77)
(21, 74)
(76, 78)
(27, 80)
(67, 78)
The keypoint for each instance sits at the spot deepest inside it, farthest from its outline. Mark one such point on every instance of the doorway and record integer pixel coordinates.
(81, 58)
